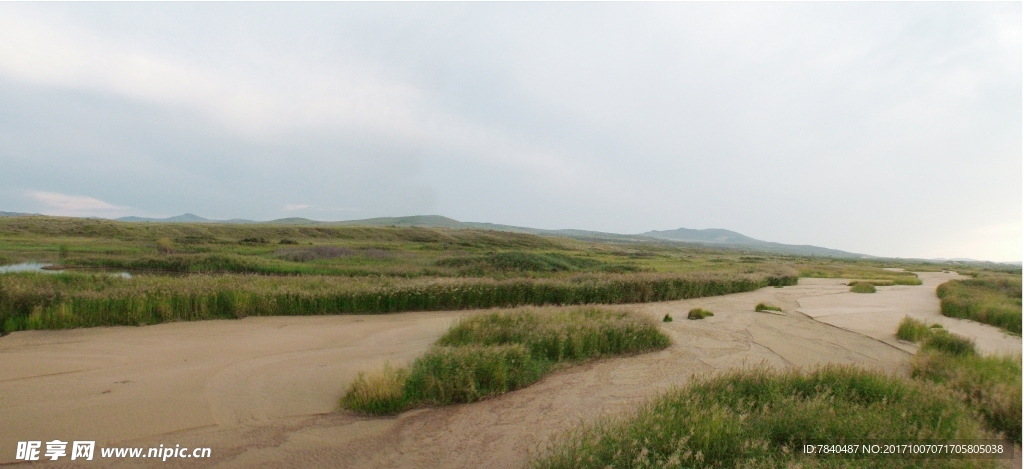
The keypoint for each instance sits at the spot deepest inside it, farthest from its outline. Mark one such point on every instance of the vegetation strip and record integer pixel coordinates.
(490, 354)
(58, 301)
(761, 418)
(990, 300)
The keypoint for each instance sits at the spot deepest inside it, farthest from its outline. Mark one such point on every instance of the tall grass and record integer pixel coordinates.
(862, 287)
(38, 301)
(912, 330)
(995, 301)
(766, 307)
(989, 384)
(761, 418)
(699, 313)
(490, 354)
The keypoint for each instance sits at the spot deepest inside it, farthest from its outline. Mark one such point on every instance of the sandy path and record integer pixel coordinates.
(263, 391)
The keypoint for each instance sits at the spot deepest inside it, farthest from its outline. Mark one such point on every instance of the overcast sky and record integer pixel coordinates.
(891, 129)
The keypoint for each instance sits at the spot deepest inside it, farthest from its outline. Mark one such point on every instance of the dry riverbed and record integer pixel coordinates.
(264, 391)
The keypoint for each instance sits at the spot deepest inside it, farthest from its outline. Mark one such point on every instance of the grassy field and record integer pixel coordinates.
(990, 385)
(494, 353)
(762, 418)
(216, 271)
(994, 300)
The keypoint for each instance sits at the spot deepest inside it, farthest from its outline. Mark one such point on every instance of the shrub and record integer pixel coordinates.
(862, 287)
(760, 418)
(698, 313)
(766, 307)
(378, 393)
(288, 241)
(912, 330)
(667, 318)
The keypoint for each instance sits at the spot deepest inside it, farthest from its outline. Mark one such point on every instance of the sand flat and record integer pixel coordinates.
(264, 391)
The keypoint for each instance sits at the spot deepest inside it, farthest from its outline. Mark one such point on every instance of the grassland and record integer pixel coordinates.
(761, 418)
(220, 271)
(990, 385)
(491, 354)
(994, 300)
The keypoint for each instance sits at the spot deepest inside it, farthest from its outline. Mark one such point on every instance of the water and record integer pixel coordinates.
(38, 267)
(26, 267)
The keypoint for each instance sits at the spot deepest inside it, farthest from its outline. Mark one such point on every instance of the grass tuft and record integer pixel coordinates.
(912, 330)
(950, 343)
(667, 318)
(767, 307)
(378, 393)
(862, 287)
(698, 313)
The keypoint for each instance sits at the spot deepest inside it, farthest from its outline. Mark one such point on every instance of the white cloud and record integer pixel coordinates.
(55, 203)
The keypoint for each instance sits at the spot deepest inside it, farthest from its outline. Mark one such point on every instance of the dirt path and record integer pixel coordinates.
(264, 391)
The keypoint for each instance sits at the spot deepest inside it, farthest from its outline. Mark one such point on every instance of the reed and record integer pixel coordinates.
(41, 301)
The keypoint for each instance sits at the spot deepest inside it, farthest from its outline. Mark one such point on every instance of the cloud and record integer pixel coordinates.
(55, 203)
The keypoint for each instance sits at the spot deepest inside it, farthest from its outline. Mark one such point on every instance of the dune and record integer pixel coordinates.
(264, 391)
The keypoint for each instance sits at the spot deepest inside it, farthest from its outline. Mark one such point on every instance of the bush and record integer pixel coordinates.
(698, 313)
(766, 307)
(862, 287)
(288, 241)
(760, 418)
(912, 330)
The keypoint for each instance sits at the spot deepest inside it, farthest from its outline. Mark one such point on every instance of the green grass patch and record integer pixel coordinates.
(490, 354)
(912, 330)
(767, 307)
(862, 287)
(667, 318)
(760, 418)
(952, 344)
(993, 300)
(698, 313)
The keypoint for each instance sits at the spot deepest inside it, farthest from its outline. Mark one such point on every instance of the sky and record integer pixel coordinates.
(890, 129)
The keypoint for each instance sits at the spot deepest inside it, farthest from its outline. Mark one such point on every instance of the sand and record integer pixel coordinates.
(264, 391)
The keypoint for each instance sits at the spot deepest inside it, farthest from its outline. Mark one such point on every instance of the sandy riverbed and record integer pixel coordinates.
(264, 391)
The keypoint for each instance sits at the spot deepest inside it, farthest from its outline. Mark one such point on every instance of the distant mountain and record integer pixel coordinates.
(16, 214)
(185, 218)
(709, 237)
(720, 237)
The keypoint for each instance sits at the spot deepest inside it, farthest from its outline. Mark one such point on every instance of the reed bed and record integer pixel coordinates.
(59, 301)
(491, 354)
(862, 287)
(761, 418)
(994, 301)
